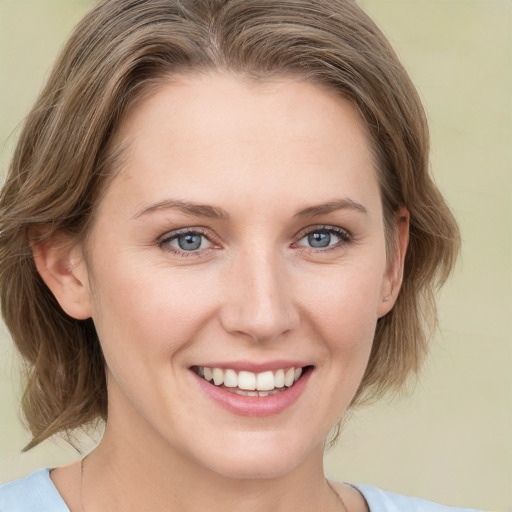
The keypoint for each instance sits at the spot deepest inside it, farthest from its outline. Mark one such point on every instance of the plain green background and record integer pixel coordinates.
(449, 439)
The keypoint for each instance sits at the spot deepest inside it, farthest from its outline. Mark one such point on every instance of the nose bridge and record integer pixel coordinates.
(260, 304)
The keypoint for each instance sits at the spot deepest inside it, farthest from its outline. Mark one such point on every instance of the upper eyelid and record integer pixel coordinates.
(183, 231)
(323, 227)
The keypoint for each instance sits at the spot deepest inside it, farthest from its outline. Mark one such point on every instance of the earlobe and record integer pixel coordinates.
(62, 268)
(394, 274)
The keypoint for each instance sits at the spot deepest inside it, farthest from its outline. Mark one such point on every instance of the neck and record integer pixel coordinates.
(127, 474)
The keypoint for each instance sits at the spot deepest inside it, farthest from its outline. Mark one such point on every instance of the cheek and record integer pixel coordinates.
(345, 304)
(152, 311)
(342, 312)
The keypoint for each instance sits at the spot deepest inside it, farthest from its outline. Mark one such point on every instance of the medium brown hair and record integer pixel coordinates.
(65, 157)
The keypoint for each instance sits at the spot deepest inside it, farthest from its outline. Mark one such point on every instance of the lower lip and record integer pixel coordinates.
(258, 406)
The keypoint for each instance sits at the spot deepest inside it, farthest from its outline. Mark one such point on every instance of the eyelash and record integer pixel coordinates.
(164, 244)
(344, 236)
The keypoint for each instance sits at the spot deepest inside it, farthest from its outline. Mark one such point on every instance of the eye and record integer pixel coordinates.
(324, 238)
(186, 241)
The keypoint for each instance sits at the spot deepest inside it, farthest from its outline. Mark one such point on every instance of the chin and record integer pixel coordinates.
(257, 458)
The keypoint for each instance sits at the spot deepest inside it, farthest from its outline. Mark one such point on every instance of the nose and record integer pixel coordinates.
(258, 298)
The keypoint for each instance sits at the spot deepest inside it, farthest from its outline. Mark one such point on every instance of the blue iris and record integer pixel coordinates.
(319, 239)
(190, 242)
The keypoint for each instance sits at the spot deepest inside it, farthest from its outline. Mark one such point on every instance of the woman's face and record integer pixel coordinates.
(244, 232)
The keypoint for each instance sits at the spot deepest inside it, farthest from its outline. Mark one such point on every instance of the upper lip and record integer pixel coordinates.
(255, 367)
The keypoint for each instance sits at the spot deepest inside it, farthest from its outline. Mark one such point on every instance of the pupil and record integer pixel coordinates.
(189, 242)
(319, 239)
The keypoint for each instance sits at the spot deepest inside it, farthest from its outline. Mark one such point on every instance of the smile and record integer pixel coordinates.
(246, 383)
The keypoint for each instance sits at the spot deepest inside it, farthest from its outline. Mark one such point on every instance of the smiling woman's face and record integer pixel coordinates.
(243, 232)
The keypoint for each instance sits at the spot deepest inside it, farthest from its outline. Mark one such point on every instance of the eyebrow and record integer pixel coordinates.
(215, 212)
(186, 207)
(331, 206)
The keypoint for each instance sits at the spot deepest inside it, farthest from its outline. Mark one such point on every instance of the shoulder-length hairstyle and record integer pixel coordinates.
(65, 157)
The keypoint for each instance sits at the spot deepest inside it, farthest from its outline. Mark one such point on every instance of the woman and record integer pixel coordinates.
(218, 233)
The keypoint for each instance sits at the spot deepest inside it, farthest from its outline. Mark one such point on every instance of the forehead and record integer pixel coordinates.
(209, 103)
(219, 133)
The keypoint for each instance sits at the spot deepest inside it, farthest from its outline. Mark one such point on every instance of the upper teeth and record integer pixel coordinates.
(264, 381)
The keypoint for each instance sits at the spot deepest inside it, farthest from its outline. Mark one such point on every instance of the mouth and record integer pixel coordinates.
(250, 384)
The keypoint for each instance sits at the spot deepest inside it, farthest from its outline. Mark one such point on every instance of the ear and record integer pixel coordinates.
(393, 277)
(61, 264)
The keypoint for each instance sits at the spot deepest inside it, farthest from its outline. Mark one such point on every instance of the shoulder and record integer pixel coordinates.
(33, 492)
(383, 501)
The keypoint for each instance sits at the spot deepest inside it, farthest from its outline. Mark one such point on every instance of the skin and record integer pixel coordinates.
(255, 290)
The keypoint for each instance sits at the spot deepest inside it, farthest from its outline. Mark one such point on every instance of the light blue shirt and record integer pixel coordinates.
(36, 493)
